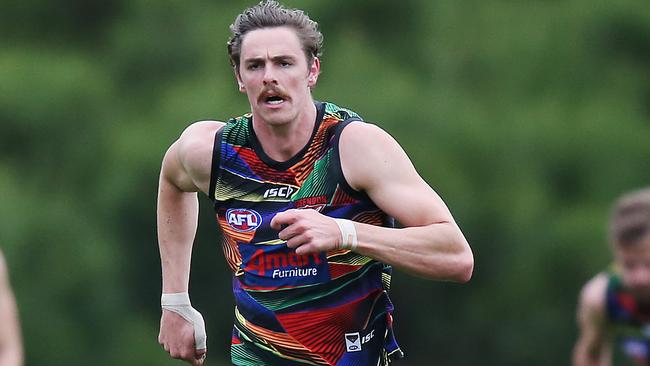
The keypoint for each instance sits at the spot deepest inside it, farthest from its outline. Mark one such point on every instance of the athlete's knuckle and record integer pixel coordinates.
(295, 242)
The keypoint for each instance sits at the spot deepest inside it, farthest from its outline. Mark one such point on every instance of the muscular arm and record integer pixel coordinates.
(185, 171)
(431, 245)
(177, 214)
(10, 344)
(593, 347)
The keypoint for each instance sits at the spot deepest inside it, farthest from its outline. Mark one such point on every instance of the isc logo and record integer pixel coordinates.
(281, 192)
(243, 220)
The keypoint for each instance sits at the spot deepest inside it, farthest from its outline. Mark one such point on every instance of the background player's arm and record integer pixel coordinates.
(431, 244)
(11, 353)
(185, 171)
(593, 347)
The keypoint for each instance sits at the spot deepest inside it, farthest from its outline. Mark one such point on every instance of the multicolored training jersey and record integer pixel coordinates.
(629, 326)
(328, 308)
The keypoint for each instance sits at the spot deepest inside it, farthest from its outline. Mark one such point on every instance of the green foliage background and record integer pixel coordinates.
(528, 117)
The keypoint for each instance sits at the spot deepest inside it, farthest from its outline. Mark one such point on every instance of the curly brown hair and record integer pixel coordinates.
(268, 14)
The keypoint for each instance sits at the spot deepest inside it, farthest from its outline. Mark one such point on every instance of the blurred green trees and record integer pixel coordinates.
(528, 117)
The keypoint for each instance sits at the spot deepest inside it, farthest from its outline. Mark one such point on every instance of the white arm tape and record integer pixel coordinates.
(348, 234)
(180, 304)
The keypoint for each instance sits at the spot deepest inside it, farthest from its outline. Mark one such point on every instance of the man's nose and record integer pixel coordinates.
(269, 75)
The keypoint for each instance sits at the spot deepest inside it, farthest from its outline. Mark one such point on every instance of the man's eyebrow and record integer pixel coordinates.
(283, 58)
(274, 59)
(254, 60)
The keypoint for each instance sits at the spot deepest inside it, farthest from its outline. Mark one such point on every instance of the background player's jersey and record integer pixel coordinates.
(629, 326)
(319, 309)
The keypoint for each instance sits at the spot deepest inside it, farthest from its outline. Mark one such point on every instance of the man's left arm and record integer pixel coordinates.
(430, 245)
(11, 351)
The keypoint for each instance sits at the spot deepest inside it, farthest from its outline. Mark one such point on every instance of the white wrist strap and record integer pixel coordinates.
(348, 234)
(180, 304)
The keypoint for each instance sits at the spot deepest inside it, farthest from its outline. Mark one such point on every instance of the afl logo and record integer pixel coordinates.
(243, 220)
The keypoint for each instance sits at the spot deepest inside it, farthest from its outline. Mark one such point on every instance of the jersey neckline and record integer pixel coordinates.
(284, 165)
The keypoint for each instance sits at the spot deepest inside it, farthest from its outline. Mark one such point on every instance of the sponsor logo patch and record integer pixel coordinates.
(353, 341)
(315, 203)
(278, 266)
(279, 192)
(283, 264)
(635, 349)
(243, 220)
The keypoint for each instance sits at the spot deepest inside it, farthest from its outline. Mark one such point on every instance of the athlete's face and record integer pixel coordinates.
(274, 74)
(634, 262)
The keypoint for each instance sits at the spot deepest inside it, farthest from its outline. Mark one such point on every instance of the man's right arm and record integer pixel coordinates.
(185, 171)
(593, 347)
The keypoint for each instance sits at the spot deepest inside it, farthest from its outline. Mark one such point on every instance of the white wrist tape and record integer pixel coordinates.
(180, 304)
(348, 234)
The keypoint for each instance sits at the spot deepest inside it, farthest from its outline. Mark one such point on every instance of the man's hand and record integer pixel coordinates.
(307, 230)
(177, 338)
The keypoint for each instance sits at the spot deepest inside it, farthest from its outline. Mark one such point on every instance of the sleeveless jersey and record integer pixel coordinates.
(328, 308)
(629, 326)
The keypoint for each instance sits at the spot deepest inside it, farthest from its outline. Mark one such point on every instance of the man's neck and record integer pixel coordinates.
(282, 142)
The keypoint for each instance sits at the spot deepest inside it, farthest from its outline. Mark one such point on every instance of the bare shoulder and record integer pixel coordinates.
(196, 142)
(365, 133)
(592, 296)
(368, 154)
(188, 160)
(198, 135)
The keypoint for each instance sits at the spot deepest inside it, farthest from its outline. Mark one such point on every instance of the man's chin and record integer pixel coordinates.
(276, 118)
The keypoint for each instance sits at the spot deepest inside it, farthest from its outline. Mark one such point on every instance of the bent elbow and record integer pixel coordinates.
(463, 268)
(462, 260)
(459, 269)
(466, 270)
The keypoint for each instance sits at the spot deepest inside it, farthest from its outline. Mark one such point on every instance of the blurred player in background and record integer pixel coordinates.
(614, 306)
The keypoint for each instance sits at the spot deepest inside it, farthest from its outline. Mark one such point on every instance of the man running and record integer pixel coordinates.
(305, 193)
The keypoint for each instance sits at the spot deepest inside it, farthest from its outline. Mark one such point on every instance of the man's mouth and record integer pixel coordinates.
(274, 99)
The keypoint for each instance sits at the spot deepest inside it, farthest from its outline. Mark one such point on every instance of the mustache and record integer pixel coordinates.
(272, 90)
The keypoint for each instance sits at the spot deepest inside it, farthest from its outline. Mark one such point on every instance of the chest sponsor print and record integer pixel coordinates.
(273, 266)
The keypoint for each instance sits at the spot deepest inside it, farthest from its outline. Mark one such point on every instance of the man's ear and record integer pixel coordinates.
(314, 71)
(242, 87)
